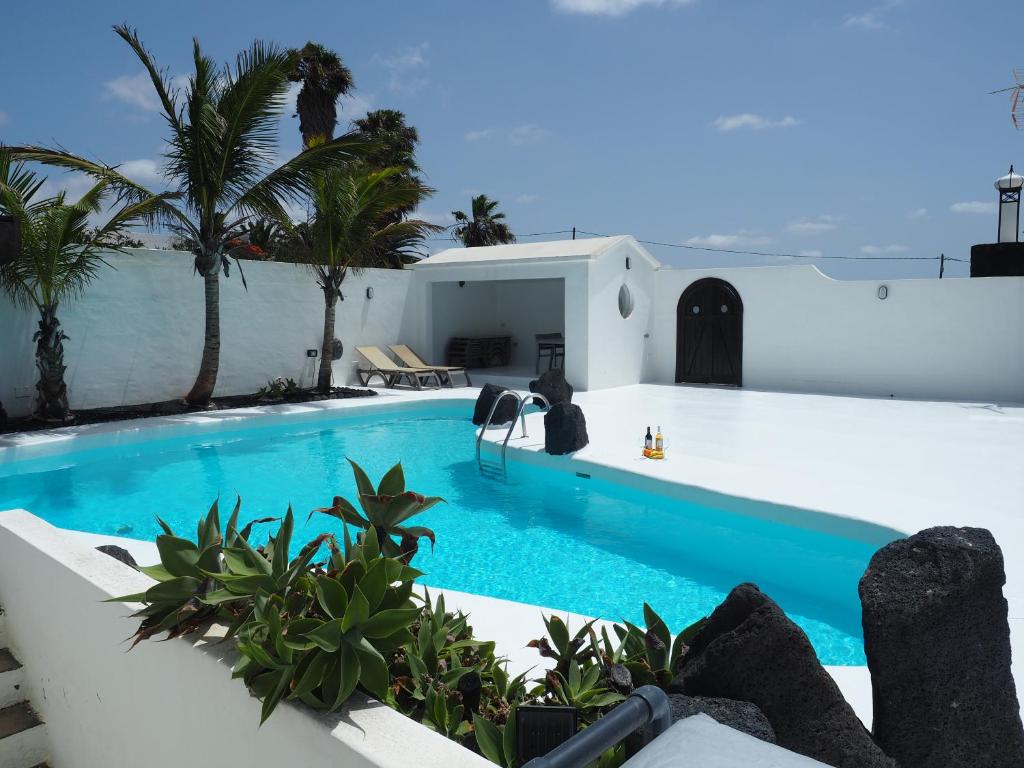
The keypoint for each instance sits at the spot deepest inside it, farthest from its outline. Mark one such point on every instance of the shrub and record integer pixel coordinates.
(316, 630)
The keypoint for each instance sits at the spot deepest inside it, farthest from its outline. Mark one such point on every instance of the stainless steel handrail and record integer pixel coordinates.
(490, 415)
(647, 710)
(521, 414)
(520, 417)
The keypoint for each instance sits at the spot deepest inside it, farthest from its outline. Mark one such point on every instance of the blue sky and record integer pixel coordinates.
(842, 128)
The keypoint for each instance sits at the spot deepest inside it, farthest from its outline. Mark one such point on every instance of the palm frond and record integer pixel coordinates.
(293, 180)
(161, 81)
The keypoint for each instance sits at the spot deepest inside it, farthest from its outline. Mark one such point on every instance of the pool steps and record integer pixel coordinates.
(23, 738)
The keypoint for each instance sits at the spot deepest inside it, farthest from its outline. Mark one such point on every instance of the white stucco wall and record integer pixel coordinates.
(954, 339)
(617, 345)
(164, 704)
(517, 308)
(136, 334)
(439, 304)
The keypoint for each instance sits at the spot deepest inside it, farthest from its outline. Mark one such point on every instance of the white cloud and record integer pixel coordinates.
(137, 90)
(609, 7)
(355, 106)
(815, 226)
(867, 20)
(739, 239)
(433, 217)
(74, 185)
(877, 250)
(918, 213)
(973, 206)
(528, 133)
(752, 122)
(406, 68)
(143, 170)
(527, 198)
(810, 253)
(525, 134)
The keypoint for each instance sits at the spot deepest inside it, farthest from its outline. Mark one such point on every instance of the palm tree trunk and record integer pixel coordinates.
(206, 379)
(52, 392)
(323, 382)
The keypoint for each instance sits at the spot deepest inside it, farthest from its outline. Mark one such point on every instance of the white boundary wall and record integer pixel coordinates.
(136, 334)
(954, 339)
(163, 704)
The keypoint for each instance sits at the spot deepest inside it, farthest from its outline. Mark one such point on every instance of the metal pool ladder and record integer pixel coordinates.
(520, 416)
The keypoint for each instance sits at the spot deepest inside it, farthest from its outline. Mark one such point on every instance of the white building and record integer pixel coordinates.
(135, 335)
(628, 319)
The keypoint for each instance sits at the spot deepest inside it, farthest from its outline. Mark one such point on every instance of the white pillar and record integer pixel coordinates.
(1009, 187)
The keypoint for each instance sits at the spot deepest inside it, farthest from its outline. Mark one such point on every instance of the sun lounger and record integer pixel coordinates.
(391, 373)
(412, 360)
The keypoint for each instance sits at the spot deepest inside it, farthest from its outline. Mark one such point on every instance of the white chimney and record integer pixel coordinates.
(1009, 187)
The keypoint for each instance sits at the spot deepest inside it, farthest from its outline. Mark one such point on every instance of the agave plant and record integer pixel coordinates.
(329, 635)
(651, 655)
(582, 688)
(384, 509)
(189, 576)
(561, 647)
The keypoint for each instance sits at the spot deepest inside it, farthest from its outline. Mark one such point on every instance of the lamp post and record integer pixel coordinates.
(1009, 187)
(10, 239)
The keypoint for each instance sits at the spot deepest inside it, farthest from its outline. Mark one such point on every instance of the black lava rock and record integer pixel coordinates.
(565, 429)
(750, 651)
(506, 411)
(553, 386)
(938, 647)
(739, 715)
(118, 553)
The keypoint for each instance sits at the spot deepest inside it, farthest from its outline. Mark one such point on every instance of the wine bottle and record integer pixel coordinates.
(659, 441)
(648, 440)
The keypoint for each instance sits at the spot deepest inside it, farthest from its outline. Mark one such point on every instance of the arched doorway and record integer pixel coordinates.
(709, 334)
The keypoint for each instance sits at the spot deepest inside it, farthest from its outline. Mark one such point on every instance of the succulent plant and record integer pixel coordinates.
(329, 633)
(384, 509)
(187, 575)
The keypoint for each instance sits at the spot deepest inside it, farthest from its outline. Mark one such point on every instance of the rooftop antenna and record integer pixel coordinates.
(1016, 101)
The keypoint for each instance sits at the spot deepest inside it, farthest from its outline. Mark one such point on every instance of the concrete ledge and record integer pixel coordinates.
(701, 741)
(105, 706)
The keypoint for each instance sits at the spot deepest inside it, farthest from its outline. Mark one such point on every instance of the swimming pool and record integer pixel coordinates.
(543, 536)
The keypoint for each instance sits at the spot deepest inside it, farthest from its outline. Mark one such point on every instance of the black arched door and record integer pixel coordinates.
(709, 334)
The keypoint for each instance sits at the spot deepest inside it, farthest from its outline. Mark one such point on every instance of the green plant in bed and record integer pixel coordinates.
(328, 634)
(343, 616)
(385, 509)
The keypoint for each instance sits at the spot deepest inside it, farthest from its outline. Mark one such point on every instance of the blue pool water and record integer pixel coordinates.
(543, 536)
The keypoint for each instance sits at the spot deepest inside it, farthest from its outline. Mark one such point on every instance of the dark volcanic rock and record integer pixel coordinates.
(740, 715)
(553, 386)
(938, 646)
(565, 429)
(118, 553)
(506, 408)
(750, 651)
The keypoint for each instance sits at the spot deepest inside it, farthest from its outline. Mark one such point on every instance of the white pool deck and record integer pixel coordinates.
(903, 465)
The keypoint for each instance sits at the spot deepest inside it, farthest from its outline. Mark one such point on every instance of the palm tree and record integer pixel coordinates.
(324, 78)
(219, 161)
(344, 234)
(59, 256)
(394, 141)
(487, 227)
(391, 144)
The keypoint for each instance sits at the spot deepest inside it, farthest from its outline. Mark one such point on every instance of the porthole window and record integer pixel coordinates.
(625, 301)
(696, 309)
